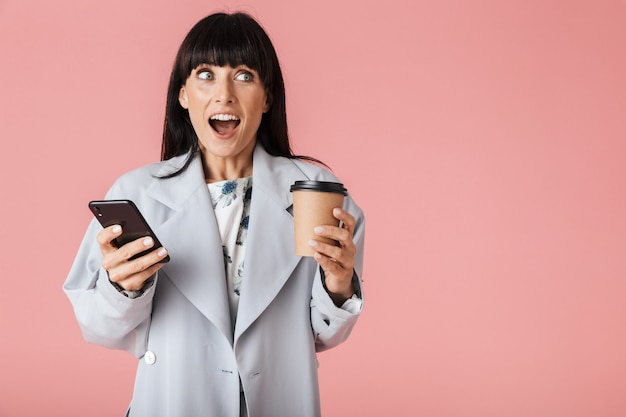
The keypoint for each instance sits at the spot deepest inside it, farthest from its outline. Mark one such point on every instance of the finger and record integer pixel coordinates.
(124, 254)
(348, 221)
(341, 256)
(329, 265)
(105, 238)
(132, 274)
(138, 281)
(342, 236)
(338, 278)
(331, 251)
(136, 247)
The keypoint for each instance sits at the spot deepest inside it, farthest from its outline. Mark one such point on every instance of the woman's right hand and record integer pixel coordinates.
(129, 274)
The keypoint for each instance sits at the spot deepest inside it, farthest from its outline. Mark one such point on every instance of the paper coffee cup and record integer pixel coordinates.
(313, 204)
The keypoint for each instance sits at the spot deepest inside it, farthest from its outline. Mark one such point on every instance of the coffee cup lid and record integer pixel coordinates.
(320, 186)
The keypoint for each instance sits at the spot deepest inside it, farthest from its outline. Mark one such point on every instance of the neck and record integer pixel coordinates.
(220, 169)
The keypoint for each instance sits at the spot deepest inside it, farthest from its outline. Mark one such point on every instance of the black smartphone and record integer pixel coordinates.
(126, 214)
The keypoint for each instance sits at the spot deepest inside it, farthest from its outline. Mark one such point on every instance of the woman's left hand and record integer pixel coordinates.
(337, 261)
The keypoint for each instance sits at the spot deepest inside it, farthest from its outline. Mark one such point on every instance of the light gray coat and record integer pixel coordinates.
(181, 327)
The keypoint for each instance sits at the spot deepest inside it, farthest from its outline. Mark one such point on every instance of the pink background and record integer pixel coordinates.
(485, 140)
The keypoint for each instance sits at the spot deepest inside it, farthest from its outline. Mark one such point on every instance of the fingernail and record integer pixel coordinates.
(117, 229)
(336, 211)
(147, 241)
(319, 229)
(162, 252)
(313, 242)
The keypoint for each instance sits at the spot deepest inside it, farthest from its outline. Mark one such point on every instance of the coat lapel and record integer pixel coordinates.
(197, 260)
(192, 237)
(270, 252)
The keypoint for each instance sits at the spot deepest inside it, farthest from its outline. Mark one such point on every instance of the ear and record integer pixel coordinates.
(182, 98)
(268, 103)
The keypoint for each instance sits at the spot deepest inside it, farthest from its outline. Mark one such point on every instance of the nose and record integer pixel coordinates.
(224, 92)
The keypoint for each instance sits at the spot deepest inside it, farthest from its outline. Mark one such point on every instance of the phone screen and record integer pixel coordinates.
(127, 215)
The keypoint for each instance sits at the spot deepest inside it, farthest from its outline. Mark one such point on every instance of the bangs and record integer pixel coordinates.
(225, 41)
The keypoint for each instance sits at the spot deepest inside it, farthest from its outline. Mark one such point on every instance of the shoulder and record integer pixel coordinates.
(291, 168)
(142, 177)
(314, 171)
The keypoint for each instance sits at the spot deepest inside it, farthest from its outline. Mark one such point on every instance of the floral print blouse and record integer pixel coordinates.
(231, 203)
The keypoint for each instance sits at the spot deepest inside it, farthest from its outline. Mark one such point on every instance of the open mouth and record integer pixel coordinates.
(224, 124)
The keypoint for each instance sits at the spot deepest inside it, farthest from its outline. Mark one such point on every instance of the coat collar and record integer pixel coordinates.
(199, 273)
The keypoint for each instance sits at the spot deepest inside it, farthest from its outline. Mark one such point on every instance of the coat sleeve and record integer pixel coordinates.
(332, 325)
(106, 316)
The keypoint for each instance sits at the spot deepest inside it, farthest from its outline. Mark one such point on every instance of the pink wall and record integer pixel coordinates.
(486, 141)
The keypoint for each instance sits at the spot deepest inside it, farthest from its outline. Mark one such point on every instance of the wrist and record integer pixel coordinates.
(338, 297)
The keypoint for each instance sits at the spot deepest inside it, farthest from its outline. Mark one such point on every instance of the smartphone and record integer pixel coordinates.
(126, 214)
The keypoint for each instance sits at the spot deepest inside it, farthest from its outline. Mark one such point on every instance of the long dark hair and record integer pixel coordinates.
(227, 39)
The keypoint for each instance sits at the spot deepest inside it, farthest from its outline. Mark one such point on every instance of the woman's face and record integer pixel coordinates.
(225, 106)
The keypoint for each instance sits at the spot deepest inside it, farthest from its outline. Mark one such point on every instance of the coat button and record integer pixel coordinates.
(149, 357)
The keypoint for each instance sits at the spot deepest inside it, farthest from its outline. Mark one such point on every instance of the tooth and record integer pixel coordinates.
(224, 117)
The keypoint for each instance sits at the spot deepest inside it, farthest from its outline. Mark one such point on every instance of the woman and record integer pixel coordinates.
(231, 325)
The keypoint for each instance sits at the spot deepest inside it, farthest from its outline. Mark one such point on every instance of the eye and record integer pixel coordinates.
(244, 76)
(205, 74)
